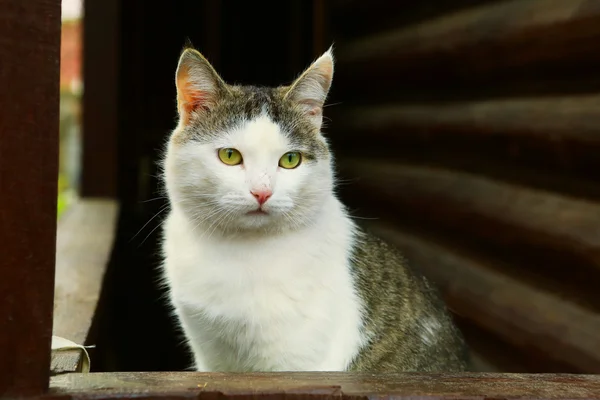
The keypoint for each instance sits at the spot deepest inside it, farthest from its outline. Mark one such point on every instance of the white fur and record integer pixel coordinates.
(259, 293)
(430, 328)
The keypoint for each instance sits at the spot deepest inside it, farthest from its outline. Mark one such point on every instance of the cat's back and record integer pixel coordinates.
(408, 326)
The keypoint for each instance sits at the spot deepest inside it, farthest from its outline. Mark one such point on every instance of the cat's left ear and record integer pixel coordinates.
(199, 86)
(311, 88)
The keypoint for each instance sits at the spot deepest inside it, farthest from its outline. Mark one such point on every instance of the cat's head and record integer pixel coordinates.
(249, 158)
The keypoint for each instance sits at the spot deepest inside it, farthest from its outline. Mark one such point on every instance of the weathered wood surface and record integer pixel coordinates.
(489, 352)
(563, 132)
(489, 42)
(29, 87)
(355, 18)
(523, 315)
(84, 244)
(556, 119)
(498, 211)
(323, 385)
(66, 361)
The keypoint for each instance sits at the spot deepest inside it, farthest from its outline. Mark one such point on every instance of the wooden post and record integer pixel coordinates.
(29, 106)
(100, 98)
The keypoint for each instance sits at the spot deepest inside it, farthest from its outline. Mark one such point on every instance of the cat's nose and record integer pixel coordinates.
(261, 195)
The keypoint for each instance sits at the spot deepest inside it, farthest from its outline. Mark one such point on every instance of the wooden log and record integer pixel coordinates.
(513, 216)
(490, 353)
(29, 117)
(562, 133)
(356, 18)
(558, 120)
(476, 46)
(521, 314)
(316, 385)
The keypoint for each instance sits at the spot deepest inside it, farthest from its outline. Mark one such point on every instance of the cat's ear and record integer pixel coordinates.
(199, 87)
(311, 88)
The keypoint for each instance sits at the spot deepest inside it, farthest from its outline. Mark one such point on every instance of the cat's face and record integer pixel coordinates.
(246, 158)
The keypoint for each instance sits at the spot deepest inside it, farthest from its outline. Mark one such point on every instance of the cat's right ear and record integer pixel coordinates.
(198, 84)
(310, 90)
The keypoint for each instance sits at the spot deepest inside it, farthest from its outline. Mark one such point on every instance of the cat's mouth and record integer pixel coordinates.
(258, 211)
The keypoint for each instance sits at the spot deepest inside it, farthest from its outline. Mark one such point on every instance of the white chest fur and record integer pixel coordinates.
(270, 303)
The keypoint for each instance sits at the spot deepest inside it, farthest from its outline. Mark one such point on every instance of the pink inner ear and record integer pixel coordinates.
(195, 99)
(311, 108)
(190, 99)
(314, 111)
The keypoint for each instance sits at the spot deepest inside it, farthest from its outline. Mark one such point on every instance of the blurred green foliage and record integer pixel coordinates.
(63, 198)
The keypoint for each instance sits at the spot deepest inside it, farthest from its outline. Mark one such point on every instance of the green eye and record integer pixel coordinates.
(290, 160)
(230, 156)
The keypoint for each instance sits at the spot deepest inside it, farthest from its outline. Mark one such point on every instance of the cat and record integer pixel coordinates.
(265, 269)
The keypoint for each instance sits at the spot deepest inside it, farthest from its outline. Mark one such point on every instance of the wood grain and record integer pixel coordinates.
(523, 315)
(481, 44)
(498, 211)
(559, 119)
(552, 124)
(66, 361)
(29, 82)
(84, 244)
(561, 134)
(323, 385)
(355, 18)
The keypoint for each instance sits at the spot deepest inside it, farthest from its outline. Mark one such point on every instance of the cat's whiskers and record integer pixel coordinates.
(152, 231)
(226, 219)
(218, 210)
(160, 211)
(202, 218)
(154, 199)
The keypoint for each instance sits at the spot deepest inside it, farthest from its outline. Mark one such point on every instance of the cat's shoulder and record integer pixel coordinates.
(371, 250)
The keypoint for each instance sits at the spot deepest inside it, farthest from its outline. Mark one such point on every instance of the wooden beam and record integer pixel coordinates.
(554, 119)
(29, 118)
(347, 386)
(476, 45)
(356, 18)
(518, 217)
(521, 314)
(563, 132)
(491, 353)
(82, 256)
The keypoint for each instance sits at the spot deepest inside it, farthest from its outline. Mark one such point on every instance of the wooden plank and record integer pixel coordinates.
(560, 132)
(558, 120)
(66, 361)
(356, 18)
(505, 213)
(490, 353)
(84, 244)
(29, 105)
(521, 314)
(476, 44)
(175, 385)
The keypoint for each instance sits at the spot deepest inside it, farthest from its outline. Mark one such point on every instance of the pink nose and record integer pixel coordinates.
(261, 195)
